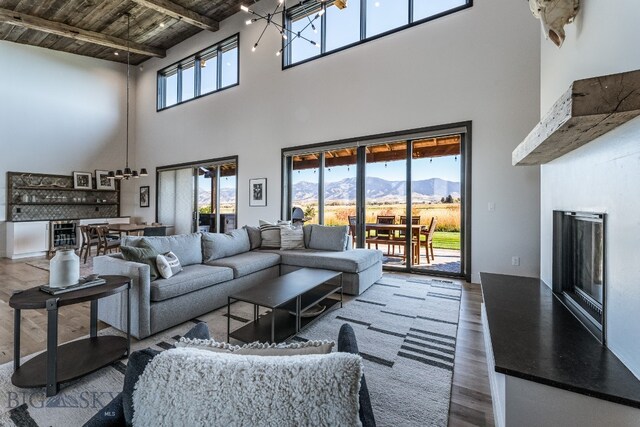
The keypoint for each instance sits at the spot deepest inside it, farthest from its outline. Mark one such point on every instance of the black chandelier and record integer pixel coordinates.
(288, 35)
(127, 173)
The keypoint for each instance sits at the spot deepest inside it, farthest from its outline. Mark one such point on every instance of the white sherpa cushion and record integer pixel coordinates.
(168, 265)
(260, 349)
(191, 387)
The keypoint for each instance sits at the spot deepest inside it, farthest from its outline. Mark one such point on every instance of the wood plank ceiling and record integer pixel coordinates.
(98, 28)
(423, 148)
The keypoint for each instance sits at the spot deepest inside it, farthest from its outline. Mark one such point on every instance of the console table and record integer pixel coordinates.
(545, 367)
(73, 359)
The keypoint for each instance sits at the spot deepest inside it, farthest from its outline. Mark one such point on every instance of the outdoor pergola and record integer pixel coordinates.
(422, 149)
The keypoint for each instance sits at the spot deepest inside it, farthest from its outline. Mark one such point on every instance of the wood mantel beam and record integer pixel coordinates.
(176, 11)
(64, 30)
(587, 110)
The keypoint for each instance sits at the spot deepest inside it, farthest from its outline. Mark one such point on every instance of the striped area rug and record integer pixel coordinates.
(406, 330)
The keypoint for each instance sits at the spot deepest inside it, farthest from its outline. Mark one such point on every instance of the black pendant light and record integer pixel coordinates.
(127, 172)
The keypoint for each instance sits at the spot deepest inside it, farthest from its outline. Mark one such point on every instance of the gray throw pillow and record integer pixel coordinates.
(329, 238)
(187, 247)
(307, 234)
(218, 245)
(255, 237)
(144, 253)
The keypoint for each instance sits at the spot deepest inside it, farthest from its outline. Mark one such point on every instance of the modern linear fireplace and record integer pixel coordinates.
(578, 266)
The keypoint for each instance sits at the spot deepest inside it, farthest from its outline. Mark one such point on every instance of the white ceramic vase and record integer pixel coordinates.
(64, 268)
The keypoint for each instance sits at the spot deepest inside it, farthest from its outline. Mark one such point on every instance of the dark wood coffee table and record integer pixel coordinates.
(73, 359)
(293, 292)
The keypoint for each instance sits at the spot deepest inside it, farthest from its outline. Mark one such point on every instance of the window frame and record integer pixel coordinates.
(195, 58)
(286, 57)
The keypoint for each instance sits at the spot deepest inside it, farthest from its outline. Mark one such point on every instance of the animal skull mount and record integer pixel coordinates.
(554, 15)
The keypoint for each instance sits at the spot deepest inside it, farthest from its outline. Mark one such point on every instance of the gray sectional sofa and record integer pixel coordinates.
(214, 267)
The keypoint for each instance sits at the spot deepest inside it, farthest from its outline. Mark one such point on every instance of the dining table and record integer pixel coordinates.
(394, 238)
(135, 228)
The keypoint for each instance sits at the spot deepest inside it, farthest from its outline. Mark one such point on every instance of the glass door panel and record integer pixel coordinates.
(176, 189)
(206, 197)
(436, 194)
(386, 201)
(228, 186)
(340, 186)
(200, 197)
(305, 178)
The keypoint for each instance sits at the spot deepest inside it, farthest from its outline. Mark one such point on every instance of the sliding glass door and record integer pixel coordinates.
(386, 201)
(198, 196)
(404, 195)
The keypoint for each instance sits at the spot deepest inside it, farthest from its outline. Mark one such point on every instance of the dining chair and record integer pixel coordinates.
(105, 243)
(89, 240)
(353, 221)
(402, 236)
(428, 238)
(385, 236)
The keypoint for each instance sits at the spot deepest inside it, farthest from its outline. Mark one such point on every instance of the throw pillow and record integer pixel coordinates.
(218, 245)
(270, 233)
(144, 253)
(187, 247)
(168, 265)
(260, 349)
(255, 239)
(291, 237)
(186, 386)
(329, 238)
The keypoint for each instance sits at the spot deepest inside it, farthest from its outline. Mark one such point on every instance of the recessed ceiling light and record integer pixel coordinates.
(162, 25)
(116, 53)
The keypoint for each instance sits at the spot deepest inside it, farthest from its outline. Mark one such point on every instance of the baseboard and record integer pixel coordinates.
(29, 255)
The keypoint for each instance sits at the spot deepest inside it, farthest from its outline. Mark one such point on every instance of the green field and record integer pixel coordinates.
(446, 240)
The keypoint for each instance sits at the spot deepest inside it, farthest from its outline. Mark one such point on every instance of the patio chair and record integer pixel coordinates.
(353, 221)
(428, 238)
(402, 236)
(383, 236)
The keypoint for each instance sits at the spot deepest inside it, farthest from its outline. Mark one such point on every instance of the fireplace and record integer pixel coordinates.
(578, 266)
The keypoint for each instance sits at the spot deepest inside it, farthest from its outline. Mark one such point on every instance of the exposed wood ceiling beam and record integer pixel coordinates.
(176, 11)
(64, 30)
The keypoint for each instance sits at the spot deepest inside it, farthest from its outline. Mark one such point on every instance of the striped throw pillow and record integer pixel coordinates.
(291, 237)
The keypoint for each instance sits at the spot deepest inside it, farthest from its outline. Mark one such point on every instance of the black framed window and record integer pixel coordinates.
(315, 30)
(203, 73)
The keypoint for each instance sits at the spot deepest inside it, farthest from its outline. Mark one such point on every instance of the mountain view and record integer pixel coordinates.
(378, 189)
(227, 195)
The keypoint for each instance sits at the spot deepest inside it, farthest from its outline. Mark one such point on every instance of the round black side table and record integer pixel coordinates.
(76, 358)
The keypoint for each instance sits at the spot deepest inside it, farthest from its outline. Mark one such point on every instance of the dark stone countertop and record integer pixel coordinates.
(536, 338)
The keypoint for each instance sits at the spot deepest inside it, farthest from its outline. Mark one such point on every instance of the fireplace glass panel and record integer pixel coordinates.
(579, 265)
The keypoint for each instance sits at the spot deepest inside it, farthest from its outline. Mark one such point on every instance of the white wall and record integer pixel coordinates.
(59, 113)
(603, 175)
(481, 64)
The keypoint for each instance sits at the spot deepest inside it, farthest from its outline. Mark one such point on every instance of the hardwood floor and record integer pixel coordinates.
(470, 394)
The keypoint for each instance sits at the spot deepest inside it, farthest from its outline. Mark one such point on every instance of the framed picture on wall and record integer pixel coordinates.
(258, 192)
(103, 182)
(144, 196)
(82, 180)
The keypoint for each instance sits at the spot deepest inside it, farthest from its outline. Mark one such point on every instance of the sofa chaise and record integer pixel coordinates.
(214, 267)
